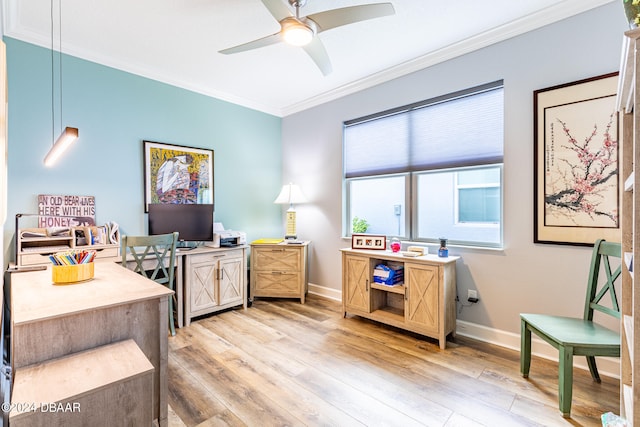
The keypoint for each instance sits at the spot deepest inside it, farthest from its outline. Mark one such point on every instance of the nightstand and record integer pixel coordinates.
(279, 270)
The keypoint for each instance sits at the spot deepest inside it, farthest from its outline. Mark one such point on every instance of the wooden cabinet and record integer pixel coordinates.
(214, 279)
(423, 303)
(630, 208)
(279, 270)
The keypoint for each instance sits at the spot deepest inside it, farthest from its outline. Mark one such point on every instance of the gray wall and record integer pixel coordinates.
(524, 276)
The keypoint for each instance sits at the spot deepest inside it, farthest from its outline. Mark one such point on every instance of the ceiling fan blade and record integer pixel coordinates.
(318, 53)
(348, 15)
(277, 9)
(264, 41)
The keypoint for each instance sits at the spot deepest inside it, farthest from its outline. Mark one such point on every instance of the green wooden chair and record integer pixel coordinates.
(578, 337)
(154, 257)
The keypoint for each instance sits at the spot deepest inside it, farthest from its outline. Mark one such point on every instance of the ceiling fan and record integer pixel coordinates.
(303, 31)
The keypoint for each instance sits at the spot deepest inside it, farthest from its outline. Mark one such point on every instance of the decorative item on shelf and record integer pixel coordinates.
(69, 134)
(420, 250)
(72, 267)
(395, 245)
(359, 225)
(369, 241)
(389, 274)
(290, 194)
(443, 252)
(632, 12)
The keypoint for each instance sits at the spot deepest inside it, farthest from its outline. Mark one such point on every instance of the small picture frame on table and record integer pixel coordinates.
(369, 241)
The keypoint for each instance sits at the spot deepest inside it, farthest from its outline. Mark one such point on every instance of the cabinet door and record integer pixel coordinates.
(421, 304)
(202, 283)
(231, 283)
(355, 293)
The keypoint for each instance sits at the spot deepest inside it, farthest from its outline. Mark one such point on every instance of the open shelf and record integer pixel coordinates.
(390, 313)
(397, 289)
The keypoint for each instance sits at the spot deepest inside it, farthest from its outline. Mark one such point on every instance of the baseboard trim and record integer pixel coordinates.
(330, 293)
(608, 366)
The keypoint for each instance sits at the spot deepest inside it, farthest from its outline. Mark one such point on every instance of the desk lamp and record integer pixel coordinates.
(290, 194)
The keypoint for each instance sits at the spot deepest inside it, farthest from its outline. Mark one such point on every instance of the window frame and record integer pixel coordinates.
(411, 230)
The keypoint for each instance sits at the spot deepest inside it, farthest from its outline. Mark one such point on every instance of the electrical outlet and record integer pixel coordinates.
(472, 296)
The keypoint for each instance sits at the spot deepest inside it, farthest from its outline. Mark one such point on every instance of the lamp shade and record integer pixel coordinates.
(290, 194)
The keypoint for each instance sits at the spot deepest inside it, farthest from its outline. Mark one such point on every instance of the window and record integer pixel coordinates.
(429, 170)
(478, 194)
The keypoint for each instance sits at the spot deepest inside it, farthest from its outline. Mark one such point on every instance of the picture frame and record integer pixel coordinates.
(177, 174)
(576, 162)
(369, 241)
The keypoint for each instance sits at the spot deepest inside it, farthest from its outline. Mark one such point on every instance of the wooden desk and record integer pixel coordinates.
(49, 321)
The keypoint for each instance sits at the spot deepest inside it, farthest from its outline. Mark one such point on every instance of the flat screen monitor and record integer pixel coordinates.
(194, 223)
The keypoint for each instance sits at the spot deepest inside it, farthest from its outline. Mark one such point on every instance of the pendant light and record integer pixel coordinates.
(69, 134)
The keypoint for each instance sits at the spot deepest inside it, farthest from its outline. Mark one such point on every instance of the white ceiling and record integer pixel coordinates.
(177, 42)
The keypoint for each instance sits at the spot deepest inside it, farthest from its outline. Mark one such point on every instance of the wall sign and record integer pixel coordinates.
(66, 211)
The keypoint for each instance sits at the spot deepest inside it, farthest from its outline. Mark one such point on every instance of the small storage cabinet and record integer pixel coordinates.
(214, 280)
(279, 270)
(423, 303)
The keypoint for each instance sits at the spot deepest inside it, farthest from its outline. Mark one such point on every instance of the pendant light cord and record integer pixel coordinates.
(53, 116)
(60, 57)
(53, 110)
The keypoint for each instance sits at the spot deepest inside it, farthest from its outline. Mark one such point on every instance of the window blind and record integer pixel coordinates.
(461, 129)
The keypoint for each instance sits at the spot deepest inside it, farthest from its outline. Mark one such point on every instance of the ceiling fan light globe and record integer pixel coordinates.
(296, 33)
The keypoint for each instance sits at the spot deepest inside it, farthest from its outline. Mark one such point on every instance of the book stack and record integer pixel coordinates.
(389, 274)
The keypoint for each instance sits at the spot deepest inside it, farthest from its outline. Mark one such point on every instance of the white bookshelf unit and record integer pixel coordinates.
(630, 238)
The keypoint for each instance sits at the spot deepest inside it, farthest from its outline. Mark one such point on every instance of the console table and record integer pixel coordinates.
(425, 302)
(50, 322)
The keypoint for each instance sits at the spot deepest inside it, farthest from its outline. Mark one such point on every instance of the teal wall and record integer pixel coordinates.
(115, 111)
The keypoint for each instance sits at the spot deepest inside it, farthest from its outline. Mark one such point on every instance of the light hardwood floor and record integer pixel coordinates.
(280, 363)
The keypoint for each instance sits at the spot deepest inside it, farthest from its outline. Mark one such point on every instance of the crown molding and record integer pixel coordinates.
(514, 28)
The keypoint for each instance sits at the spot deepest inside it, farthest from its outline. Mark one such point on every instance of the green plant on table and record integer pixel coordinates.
(359, 225)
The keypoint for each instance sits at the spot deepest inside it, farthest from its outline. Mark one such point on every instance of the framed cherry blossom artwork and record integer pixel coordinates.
(576, 172)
